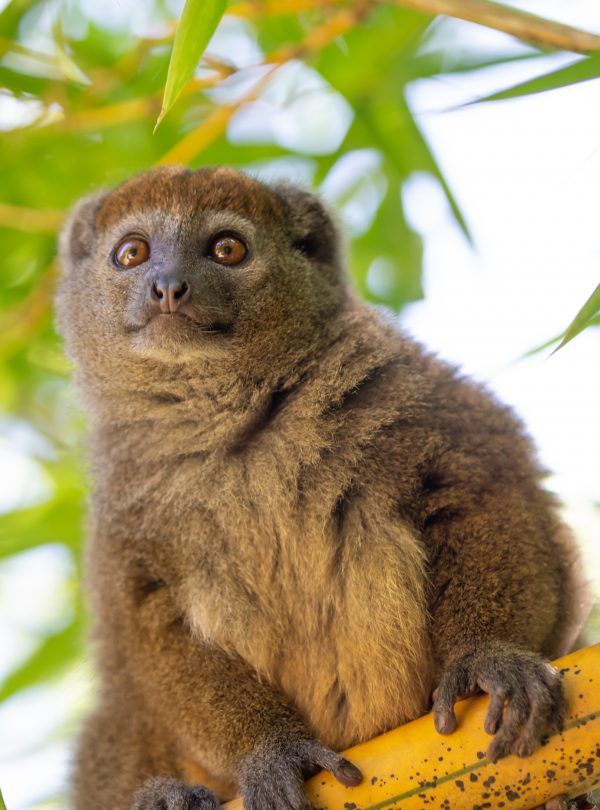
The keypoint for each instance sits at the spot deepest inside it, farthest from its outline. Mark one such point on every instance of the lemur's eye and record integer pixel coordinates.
(131, 251)
(225, 248)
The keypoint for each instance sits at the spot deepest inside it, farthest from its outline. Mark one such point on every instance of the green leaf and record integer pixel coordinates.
(2, 805)
(11, 16)
(440, 62)
(398, 250)
(595, 321)
(59, 520)
(198, 23)
(53, 656)
(583, 70)
(583, 319)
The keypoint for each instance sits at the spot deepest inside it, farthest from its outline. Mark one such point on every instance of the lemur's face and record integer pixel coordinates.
(174, 263)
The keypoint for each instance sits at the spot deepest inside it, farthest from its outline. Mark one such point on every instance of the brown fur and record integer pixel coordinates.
(297, 525)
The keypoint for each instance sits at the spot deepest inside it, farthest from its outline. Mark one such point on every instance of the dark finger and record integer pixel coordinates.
(515, 715)
(493, 718)
(453, 683)
(541, 702)
(347, 773)
(343, 770)
(548, 710)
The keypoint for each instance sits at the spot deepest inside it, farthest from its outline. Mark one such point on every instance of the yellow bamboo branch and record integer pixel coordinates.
(33, 220)
(198, 139)
(109, 115)
(412, 767)
(277, 8)
(529, 27)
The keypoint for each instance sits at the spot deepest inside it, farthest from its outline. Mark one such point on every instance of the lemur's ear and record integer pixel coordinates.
(314, 231)
(79, 232)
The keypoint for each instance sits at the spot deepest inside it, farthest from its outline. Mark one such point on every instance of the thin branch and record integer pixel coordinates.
(44, 220)
(276, 8)
(529, 27)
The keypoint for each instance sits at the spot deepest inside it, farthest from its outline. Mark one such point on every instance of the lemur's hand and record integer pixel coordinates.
(272, 777)
(526, 696)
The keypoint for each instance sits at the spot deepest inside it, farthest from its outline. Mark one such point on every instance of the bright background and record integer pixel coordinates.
(525, 174)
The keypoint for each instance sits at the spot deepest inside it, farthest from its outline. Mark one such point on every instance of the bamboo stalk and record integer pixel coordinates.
(413, 767)
(528, 27)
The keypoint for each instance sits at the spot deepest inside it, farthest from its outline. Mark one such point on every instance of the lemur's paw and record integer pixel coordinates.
(170, 794)
(272, 777)
(526, 696)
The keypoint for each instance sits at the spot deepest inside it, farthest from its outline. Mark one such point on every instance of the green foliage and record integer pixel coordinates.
(588, 315)
(198, 22)
(79, 96)
(583, 70)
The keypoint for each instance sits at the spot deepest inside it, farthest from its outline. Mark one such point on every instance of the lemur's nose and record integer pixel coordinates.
(170, 293)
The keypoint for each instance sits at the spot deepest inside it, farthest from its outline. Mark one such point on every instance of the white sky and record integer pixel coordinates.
(526, 174)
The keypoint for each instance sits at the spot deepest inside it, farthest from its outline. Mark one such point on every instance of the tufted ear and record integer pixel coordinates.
(78, 233)
(314, 231)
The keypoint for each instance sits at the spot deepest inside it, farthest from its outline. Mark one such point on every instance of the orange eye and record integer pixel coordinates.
(227, 249)
(131, 252)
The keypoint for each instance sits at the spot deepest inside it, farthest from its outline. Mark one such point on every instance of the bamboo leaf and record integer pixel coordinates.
(583, 319)
(2, 805)
(59, 520)
(583, 70)
(198, 23)
(595, 321)
(54, 655)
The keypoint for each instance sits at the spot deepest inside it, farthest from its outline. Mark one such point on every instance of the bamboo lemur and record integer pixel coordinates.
(301, 521)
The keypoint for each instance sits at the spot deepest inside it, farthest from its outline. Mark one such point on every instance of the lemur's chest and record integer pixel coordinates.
(321, 588)
(299, 561)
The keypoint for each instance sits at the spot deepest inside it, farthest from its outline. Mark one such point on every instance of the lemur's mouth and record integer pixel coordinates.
(188, 323)
(205, 326)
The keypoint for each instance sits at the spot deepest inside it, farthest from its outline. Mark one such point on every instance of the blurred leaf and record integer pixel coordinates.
(58, 520)
(198, 23)
(69, 69)
(2, 805)
(583, 319)
(55, 654)
(429, 63)
(11, 15)
(384, 259)
(583, 70)
(377, 90)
